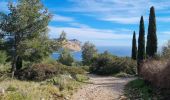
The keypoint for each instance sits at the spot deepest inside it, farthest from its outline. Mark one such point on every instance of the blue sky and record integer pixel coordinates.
(105, 22)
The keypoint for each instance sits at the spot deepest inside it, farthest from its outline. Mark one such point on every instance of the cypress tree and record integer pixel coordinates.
(151, 48)
(134, 48)
(141, 43)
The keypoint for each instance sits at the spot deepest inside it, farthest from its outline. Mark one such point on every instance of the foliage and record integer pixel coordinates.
(66, 58)
(37, 72)
(141, 44)
(22, 90)
(141, 41)
(134, 47)
(81, 78)
(62, 36)
(4, 69)
(26, 23)
(86, 68)
(88, 52)
(35, 50)
(47, 69)
(106, 64)
(138, 89)
(19, 63)
(122, 74)
(166, 50)
(3, 57)
(75, 70)
(65, 83)
(151, 48)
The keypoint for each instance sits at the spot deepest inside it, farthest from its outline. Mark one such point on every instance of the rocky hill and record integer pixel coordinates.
(73, 45)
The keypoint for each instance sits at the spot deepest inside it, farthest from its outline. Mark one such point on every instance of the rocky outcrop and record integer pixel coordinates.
(73, 45)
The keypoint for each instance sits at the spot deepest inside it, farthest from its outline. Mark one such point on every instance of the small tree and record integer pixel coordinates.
(62, 36)
(88, 52)
(134, 47)
(66, 58)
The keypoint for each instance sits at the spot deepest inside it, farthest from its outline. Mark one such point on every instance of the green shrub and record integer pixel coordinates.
(64, 82)
(49, 60)
(81, 78)
(38, 72)
(106, 64)
(13, 96)
(86, 68)
(5, 68)
(122, 74)
(75, 70)
(66, 58)
(42, 71)
(138, 90)
(11, 88)
(3, 57)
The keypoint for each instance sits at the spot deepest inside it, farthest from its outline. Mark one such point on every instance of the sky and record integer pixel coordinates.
(105, 22)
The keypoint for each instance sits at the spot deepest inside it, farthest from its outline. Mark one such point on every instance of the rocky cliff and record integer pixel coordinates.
(73, 45)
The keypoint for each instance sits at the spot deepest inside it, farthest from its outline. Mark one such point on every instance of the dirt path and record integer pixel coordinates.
(102, 88)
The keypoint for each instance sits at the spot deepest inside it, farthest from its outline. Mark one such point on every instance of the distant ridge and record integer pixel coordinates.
(73, 45)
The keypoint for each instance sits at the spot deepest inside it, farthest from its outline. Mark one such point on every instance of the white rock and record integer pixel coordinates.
(2, 91)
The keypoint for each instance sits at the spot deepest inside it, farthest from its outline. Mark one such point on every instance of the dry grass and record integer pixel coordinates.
(57, 88)
(22, 90)
(157, 72)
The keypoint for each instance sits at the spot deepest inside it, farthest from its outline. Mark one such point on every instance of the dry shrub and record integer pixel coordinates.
(156, 72)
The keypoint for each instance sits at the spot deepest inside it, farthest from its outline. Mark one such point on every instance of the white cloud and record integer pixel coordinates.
(128, 20)
(94, 35)
(60, 18)
(118, 11)
(163, 19)
(165, 33)
(76, 24)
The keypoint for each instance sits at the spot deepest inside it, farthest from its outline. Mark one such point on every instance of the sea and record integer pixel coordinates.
(121, 51)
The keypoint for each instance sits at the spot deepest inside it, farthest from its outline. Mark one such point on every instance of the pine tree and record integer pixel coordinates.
(88, 52)
(151, 48)
(27, 22)
(141, 43)
(134, 47)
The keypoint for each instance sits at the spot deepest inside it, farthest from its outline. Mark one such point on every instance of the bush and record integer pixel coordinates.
(37, 72)
(156, 72)
(3, 57)
(66, 58)
(81, 78)
(63, 82)
(5, 68)
(138, 90)
(166, 50)
(86, 68)
(106, 64)
(74, 70)
(42, 71)
(122, 74)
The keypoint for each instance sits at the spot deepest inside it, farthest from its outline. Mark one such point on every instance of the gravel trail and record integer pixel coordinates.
(102, 88)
